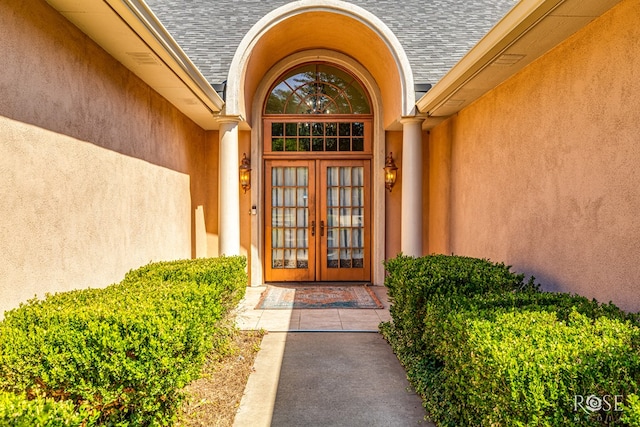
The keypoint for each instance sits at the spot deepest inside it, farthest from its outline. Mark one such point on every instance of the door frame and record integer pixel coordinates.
(378, 197)
(318, 225)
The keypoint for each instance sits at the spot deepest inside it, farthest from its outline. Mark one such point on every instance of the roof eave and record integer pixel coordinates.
(131, 33)
(526, 32)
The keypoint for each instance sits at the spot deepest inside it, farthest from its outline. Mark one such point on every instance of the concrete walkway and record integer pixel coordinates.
(324, 368)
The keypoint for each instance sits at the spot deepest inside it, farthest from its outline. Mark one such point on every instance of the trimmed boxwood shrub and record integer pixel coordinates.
(124, 351)
(507, 354)
(413, 282)
(631, 414)
(18, 411)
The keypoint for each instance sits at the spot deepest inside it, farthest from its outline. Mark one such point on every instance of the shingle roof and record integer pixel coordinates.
(434, 33)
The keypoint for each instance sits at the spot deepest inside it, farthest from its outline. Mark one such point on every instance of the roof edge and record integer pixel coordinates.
(139, 10)
(524, 16)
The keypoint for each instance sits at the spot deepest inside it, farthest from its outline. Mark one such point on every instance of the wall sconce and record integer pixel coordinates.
(245, 173)
(390, 172)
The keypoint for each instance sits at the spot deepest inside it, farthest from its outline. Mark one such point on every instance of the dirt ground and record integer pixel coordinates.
(214, 398)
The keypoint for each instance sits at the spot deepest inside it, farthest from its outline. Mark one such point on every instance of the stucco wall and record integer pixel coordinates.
(544, 169)
(98, 173)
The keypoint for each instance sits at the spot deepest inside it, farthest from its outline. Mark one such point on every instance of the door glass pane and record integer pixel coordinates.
(356, 195)
(302, 196)
(332, 258)
(303, 214)
(345, 196)
(357, 178)
(333, 217)
(332, 196)
(345, 217)
(289, 217)
(332, 241)
(277, 197)
(303, 177)
(289, 196)
(289, 258)
(303, 258)
(277, 234)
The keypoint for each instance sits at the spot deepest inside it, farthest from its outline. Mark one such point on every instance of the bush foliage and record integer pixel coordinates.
(484, 348)
(123, 352)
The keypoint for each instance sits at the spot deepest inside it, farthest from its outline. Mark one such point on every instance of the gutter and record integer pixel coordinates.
(139, 17)
(515, 24)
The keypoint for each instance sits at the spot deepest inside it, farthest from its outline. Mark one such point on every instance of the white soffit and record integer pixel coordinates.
(527, 32)
(130, 33)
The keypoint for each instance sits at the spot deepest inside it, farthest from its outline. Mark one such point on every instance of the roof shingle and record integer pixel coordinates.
(435, 34)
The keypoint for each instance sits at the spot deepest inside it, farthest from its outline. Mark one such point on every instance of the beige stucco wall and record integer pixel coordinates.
(543, 171)
(98, 173)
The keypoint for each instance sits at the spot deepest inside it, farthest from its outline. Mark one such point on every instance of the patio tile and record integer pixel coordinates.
(278, 320)
(248, 317)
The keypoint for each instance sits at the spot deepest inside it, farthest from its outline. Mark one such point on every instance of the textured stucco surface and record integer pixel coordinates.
(98, 173)
(65, 225)
(544, 169)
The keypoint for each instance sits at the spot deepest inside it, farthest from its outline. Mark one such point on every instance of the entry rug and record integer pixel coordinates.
(327, 296)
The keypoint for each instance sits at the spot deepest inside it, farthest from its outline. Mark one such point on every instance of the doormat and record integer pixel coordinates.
(327, 296)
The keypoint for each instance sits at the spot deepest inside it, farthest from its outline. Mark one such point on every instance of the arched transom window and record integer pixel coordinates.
(317, 89)
(319, 108)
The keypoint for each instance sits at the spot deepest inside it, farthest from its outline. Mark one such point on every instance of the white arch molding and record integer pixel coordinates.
(235, 102)
(257, 173)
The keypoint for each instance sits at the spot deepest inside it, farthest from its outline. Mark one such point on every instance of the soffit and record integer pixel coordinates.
(526, 33)
(130, 33)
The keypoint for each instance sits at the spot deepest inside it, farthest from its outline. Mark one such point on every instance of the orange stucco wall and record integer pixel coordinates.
(98, 173)
(542, 172)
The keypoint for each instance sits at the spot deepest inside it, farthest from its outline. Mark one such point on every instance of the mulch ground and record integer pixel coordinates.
(214, 398)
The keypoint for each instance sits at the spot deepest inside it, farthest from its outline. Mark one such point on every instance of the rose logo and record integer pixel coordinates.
(594, 403)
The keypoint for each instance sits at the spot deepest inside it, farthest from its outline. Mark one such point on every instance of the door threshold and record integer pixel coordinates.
(333, 283)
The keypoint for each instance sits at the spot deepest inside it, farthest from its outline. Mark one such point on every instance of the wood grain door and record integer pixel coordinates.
(290, 220)
(317, 220)
(344, 214)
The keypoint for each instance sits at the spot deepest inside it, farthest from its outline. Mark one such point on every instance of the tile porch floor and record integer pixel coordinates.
(334, 319)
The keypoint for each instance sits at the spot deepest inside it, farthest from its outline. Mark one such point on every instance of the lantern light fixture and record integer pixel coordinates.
(245, 173)
(390, 172)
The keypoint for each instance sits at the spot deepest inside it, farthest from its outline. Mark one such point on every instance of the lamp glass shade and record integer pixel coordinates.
(390, 172)
(245, 173)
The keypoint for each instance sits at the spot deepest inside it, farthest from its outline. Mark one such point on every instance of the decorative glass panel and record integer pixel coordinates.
(289, 217)
(317, 136)
(318, 89)
(345, 220)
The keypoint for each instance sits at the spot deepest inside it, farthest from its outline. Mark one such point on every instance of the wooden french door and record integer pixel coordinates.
(317, 220)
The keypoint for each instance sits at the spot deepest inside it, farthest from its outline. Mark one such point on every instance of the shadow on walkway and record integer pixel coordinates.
(328, 379)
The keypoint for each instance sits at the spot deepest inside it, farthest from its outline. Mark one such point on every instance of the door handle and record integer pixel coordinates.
(322, 228)
(313, 228)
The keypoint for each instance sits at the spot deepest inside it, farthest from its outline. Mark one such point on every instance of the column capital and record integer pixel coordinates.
(231, 119)
(411, 119)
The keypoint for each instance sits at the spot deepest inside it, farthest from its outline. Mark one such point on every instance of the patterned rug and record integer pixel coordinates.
(317, 296)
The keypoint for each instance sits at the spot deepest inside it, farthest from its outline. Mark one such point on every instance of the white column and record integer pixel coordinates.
(228, 188)
(411, 219)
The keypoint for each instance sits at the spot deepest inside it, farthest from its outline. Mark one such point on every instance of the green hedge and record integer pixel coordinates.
(494, 351)
(124, 351)
(18, 411)
(631, 414)
(413, 282)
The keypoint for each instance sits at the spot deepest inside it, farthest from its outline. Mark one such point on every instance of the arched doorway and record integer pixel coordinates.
(317, 151)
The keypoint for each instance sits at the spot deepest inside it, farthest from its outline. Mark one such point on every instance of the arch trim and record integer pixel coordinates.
(235, 104)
